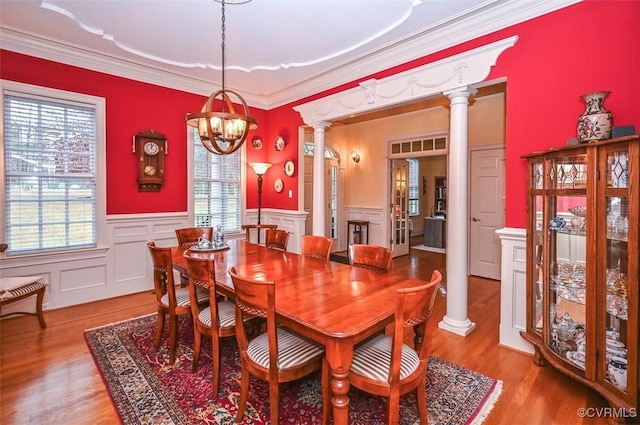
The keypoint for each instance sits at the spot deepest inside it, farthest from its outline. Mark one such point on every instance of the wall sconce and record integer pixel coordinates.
(355, 156)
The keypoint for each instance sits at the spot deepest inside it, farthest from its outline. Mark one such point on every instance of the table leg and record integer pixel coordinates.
(339, 357)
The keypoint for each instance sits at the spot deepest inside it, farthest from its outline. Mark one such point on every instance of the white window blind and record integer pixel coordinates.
(216, 185)
(49, 172)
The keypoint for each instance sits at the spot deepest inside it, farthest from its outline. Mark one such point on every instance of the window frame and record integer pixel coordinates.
(99, 104)
(192, 139)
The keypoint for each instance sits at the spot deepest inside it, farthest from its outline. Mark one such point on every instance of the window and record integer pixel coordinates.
(52, 198)
(216, 188)
(414, 187)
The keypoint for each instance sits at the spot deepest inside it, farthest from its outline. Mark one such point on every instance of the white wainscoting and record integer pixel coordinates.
(513, 289)
(291, 221)
(378, 225)
(120, 266)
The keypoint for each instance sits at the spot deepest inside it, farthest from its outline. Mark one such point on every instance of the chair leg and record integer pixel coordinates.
(393, 409)
(197, 344)
(159, 329)
(215, 365)
(244, 393)
(173, 337)
(421, 398)
(274, 397)
(39, 311)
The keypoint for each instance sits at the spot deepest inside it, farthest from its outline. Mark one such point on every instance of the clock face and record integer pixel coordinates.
(150, 170)
(278, 185)
(151, 148)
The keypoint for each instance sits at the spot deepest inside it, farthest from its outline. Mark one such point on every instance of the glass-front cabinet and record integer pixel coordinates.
(582, 265)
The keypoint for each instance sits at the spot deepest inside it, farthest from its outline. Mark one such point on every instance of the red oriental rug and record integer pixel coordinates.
(146, 389)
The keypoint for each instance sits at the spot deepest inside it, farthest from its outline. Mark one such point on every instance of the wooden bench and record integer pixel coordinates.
(14, 289)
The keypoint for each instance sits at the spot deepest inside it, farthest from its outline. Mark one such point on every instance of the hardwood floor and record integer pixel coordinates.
(48, 376)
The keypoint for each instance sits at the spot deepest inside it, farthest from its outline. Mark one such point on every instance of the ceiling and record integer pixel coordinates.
(277, 51)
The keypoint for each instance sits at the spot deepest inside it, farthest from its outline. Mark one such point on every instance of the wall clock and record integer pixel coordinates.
(278, 185)
(289, 168)
(150, 148)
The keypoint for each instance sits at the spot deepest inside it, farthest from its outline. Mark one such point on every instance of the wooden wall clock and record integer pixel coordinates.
(151, 149)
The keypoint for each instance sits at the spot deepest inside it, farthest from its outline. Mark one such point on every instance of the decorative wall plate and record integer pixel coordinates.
(278, 185)
(257, 144)
(279, 143)
(289, 168)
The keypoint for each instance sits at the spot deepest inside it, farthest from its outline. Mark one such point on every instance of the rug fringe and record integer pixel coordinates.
(121, 321)
(488, 405)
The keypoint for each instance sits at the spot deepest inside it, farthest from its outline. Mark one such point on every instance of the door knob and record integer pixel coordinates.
(475, 219)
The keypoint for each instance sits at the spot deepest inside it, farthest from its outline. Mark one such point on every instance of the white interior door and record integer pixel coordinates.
(486, 209)
(399, 207)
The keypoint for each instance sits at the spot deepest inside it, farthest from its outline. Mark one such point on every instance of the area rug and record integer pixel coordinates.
(146, 389)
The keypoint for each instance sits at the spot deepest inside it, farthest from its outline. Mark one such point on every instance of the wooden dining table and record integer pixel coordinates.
(335, 304)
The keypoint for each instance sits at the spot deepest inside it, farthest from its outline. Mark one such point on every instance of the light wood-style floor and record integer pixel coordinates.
(48, 376)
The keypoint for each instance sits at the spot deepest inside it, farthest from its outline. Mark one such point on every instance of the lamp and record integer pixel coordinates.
(355, 156)
(224, 131)
(260, 168)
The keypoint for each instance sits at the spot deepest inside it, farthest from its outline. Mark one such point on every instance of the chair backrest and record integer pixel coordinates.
(372, 257)
(276, 239)
(317, 246)
(414, 307)
(162, 273)
(249, 227)
(190, 235)
(202, 272)
(256, 298)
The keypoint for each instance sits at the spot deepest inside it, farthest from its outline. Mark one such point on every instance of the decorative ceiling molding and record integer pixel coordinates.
(461, 70)
(491, 16)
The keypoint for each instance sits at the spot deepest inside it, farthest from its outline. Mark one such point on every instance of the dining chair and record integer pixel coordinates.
(216, 320)
(276, 239)
(386, 366)
(372, 257)
(249, 227)
(188, 236)
(316, 246)
(170, 300)
(277, 355)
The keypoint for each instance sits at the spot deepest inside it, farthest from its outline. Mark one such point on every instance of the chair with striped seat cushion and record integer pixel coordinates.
(386, 366)
(170, 300)
(14, 289)
(276, 239)
(278, 355)
(371, 257)
(217, 319)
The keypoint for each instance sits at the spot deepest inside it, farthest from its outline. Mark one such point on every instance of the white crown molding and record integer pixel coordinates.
(454, 72)
(493, 16)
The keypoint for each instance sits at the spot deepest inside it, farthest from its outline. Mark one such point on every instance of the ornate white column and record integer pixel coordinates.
(318, 225)
(456, 319)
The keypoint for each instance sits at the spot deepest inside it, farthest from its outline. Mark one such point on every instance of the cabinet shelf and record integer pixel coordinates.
(582, 268)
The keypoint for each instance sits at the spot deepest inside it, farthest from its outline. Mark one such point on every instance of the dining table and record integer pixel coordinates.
(335, 304)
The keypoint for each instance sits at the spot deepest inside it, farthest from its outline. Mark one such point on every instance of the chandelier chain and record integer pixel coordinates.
(223, 40)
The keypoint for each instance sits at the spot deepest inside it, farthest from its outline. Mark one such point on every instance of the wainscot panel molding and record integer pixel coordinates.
(121, 265)
(513, 297)
(377, 225)
(291, 221)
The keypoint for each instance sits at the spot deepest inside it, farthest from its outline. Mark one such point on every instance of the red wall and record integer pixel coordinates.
(591, 46)
(131, 107)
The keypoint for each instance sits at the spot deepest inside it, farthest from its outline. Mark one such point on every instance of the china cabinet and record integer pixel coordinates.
(582, 266)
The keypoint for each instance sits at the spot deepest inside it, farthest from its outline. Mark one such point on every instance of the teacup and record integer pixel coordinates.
(203, 242)
(618, 372)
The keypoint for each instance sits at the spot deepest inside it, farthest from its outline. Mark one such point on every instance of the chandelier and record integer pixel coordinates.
(223, 131)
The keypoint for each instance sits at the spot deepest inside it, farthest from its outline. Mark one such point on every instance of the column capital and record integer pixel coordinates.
(464, 91)
(320, 125)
